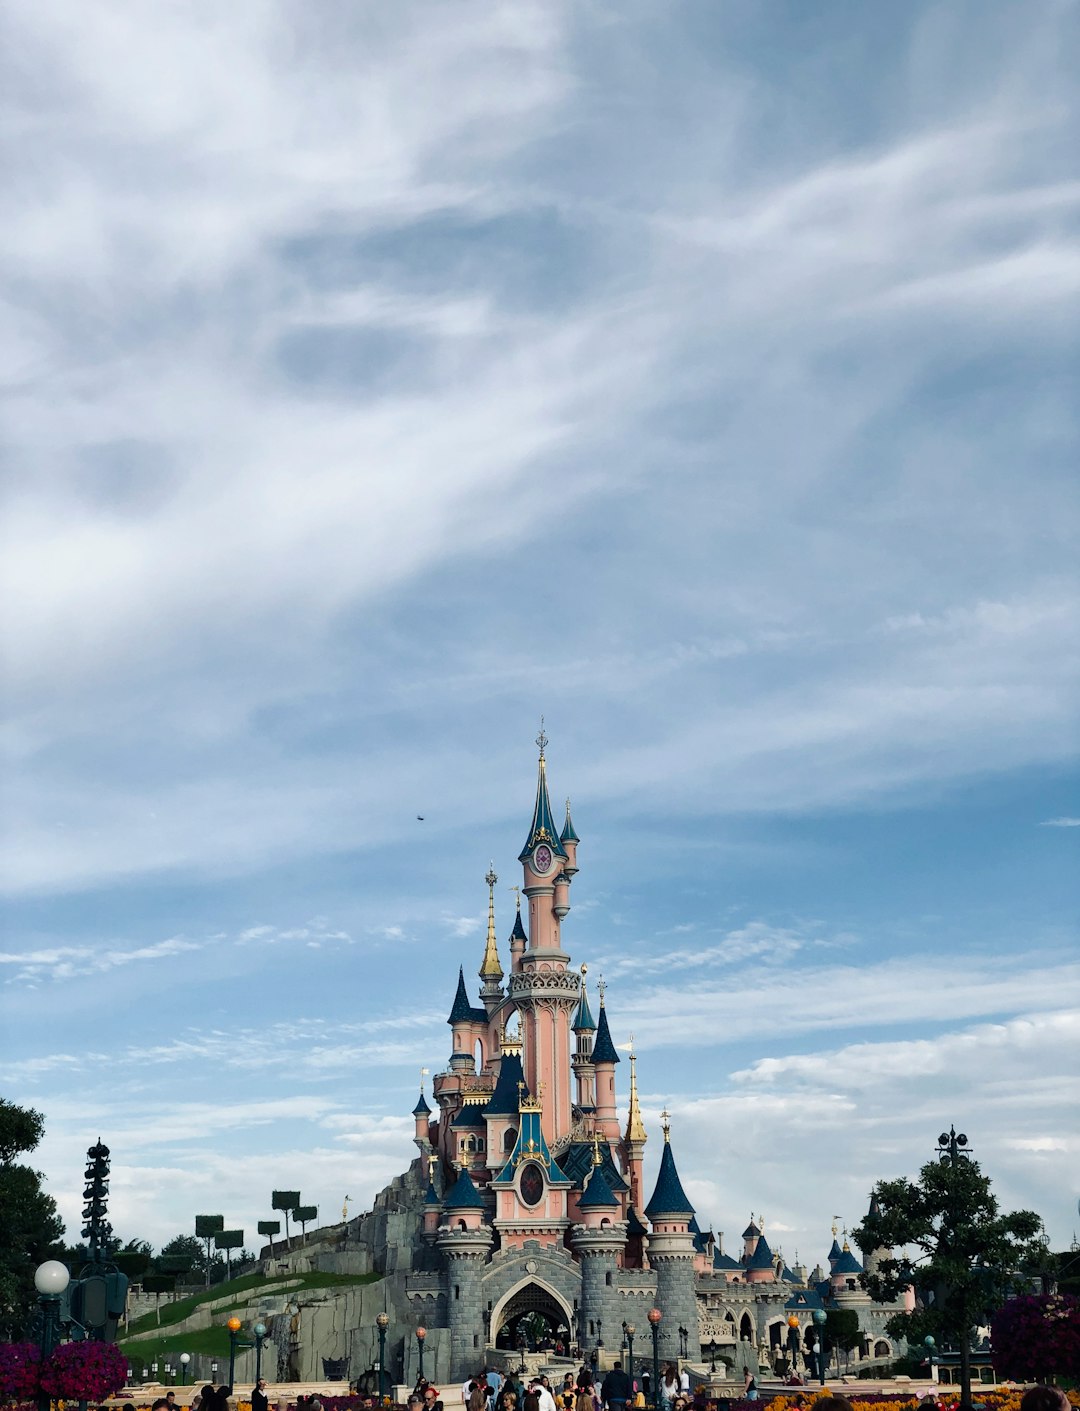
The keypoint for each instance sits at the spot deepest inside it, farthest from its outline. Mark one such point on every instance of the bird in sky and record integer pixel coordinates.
(419, 818)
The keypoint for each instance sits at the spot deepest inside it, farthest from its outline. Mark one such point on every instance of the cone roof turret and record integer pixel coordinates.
(603, 1050)
(463, 1195)
(668, 1197)
(542, 829)
(463, 1011)
(597, 1192)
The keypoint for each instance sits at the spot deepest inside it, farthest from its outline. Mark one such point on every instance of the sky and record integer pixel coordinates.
(701, 377)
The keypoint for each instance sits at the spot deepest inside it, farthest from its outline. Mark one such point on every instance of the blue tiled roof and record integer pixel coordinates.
(518, 933)
(762, 1257)
(634, 1223)
(463, 1011)
(725, 1262)
(583, 1020)
(530, 1146)
(804, 1299)
(603, 1050)
(421, 1109)
(471, 1115)
(668, 1198)
(463, 1195)
(503, 1102)
(751, 1231)
(576, 1162)
(835, 1252)
(597, 1192)
(847, 1264)
(787, 1276)
(432, 1195)
(568, 835)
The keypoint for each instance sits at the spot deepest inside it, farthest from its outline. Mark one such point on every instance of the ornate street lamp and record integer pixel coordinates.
(260, 1337)
(684, 1341)
(630, 1331)
(793, 1340)
(712, 1354)
(234, 1325)
(185, 1362)
(50, 1280)
(820, 1316)
(655, 1318)
(382, 1322)
(421, 1334)
(930, 1344)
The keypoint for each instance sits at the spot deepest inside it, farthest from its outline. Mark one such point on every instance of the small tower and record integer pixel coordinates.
(604, 1059)
(469, 1024)
(750, 1237)
(634, 1138)
(518, 938)
(873, 1255)
(422, 1119)
(760, 1267)
(465, 1242)
(835, 1252)
(491, 972)
(671, 1253)
(598, 1241)
(584, 1030)
(569, 840)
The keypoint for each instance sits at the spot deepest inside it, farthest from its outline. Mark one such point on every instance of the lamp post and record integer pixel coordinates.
(234, 1325)
(630, 1331)
(820, 1352)
(655, 1318)
(793, 1340)
(50, 1280)
(185, 1362)
(599, 1334)
(684, 1336)
(930, 1344)
(421, 1334)
(260, 1337)
(382, 1322)
(712, 1354)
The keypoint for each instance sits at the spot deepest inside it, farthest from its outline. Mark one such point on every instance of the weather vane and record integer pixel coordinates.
(516, 890)
(542, 739)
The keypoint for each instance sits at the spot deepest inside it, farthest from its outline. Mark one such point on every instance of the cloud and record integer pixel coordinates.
(60, 963)
(1063, 822)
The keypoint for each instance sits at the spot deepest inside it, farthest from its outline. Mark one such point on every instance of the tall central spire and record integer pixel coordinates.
(542, 828)
(635, 1128)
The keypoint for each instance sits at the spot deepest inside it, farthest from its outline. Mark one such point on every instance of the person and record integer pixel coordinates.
(669, 1384)
(259, 1399)
(509, 1397)
(531, 1402)
(750, 1391)
(569, 1391)
(477, 1396)
(170, 1400)
(684, 1383)
(615, 1390)
(584, 1399)
(159, 1404)
(494, 1381)
(414, 1403)
(431, 1398)
(1043, 1398)
(543, 1395)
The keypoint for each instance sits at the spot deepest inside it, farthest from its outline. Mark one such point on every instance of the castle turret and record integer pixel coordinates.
(584, 1032)
(750, 1237)
(671, 1254)
(569, 840)
(465, 1242)
(874, 1254)
(422, 1121)
(760, 1267)
(604, 1059)
(518, 938)
(598, 1241)
(469, 1026)
(501, 1110)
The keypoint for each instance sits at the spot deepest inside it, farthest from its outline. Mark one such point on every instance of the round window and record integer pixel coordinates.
(532, 1184)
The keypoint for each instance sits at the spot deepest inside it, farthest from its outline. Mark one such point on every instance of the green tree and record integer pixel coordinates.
(966, 1252)
(31, 1230)
(842, 1331)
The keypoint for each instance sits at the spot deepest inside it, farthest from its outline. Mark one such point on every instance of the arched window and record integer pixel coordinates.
(509, 1138)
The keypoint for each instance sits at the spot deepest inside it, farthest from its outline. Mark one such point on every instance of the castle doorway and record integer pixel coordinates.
(531, 1318)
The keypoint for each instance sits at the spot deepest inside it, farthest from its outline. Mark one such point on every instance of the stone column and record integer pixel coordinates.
(466, 1253)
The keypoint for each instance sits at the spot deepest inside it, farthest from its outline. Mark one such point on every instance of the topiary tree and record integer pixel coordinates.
(270, 1228)
(206, 1227)
(228, 1240)
(303, 1215)
(285, 1201)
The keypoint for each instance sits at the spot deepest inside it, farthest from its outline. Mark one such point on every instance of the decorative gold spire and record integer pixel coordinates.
(635, 1128)
(432, 1162)
(665, 1122)
(597, 1159)
(491, 969)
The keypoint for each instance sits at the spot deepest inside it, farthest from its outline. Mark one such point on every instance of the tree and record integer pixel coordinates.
(286, 1202)
(842, 1331)
(967, 1251)
(1035, 1338)
(31, 1230)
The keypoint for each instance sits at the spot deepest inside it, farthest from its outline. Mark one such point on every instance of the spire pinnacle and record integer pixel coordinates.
(542, 829)
(635, 1128)
(490, 968)
(542, 739)
(597, 1159)
(516, 890)
(665, 1122)
(601, 985)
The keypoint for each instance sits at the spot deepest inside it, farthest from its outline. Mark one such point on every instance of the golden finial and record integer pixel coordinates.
(597, 1159)
(542, 739)
(665, 1122)
(490, 968)
(531, 1104)
(584, 970)
(345, 1210)
(432, 1162)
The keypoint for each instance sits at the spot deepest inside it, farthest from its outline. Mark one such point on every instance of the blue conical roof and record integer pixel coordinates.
(431, 1196)
(518, 933)
(603, 1050)
(835, 1252)
(463, 1195)
(462, 1011)
(847, 1263)
(668, 1198)
(597, 1192)
(583, 1020)
(503, 1102)
(568, 835)
(762, 1257)
(421, 1109)
(542, 829)
(634, 1223)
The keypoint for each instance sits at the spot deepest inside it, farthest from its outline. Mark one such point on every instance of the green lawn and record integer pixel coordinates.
(173, 1313)
(211, 1342)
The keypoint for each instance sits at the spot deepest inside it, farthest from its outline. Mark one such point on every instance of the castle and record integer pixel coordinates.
(534, 1215)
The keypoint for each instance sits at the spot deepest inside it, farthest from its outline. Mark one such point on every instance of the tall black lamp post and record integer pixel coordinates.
(655, 1319)
(382, 1322)
(820, 1351)
(421, 1334)
(260, 1337)
(712, 1354)
(50, 1280)
(684, 1341)
(630, 1331)
(234, 1325)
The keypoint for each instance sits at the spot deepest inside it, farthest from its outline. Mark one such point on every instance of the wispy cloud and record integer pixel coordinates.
(1063, 822)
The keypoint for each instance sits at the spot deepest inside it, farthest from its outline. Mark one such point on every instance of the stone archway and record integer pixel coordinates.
(529, 1309)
